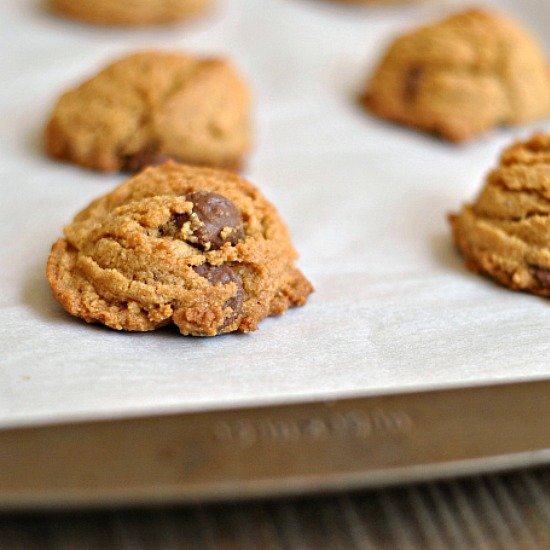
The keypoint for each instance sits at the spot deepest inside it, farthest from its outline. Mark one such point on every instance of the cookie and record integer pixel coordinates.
(128, 12)
(461, 77)
(505, 233)
(197, 247)
(152, 106)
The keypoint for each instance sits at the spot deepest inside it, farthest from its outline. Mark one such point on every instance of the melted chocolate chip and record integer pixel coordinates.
(412, 83)
(146, 157)
(220, 220)
(224, 274)
(542, 275)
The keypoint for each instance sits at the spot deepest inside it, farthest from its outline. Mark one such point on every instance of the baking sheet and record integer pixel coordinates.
(366, 201)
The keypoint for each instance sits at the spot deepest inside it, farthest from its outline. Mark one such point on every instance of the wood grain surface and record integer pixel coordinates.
(492, 512)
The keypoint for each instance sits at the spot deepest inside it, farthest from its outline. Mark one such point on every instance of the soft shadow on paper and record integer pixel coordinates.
(38, 295)
(446, 253)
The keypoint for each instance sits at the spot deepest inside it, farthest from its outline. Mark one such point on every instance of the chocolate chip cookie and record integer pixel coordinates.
(152, 106)
(197, 247)
(505, 233)
(128, 12)
(461, 77)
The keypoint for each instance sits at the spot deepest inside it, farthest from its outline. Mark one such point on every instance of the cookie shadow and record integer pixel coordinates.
(446, 254)
(37, 295)
(34, 143)
(44, 7)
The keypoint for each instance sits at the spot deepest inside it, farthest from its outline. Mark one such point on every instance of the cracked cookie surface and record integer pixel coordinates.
(505, 233)
(128, 12)
(150, 107)
(197, 247)
(461, 77)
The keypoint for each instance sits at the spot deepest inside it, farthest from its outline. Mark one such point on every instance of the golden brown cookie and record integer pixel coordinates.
(129, 12)
(152, 106)
(461, 77)
(197, 247)
(505, 234)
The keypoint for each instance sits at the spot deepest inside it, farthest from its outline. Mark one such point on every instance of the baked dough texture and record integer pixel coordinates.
(129, 12)
(152, 106)
(461, 77)
(197, 247)
(505, 234)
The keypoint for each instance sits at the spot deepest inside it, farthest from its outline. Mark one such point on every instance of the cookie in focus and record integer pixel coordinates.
(505, 233)
(150, 107)
(461, 77)
(196, 247)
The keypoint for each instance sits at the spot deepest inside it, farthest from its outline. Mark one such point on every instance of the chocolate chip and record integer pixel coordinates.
(224, 274)
(219, 219)
(412, 83)
(146, 157)
(542, 275)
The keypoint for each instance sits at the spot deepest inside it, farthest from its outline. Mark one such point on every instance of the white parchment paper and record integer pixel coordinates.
(394, 307)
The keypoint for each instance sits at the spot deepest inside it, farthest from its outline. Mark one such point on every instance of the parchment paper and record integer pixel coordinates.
(366, 201)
